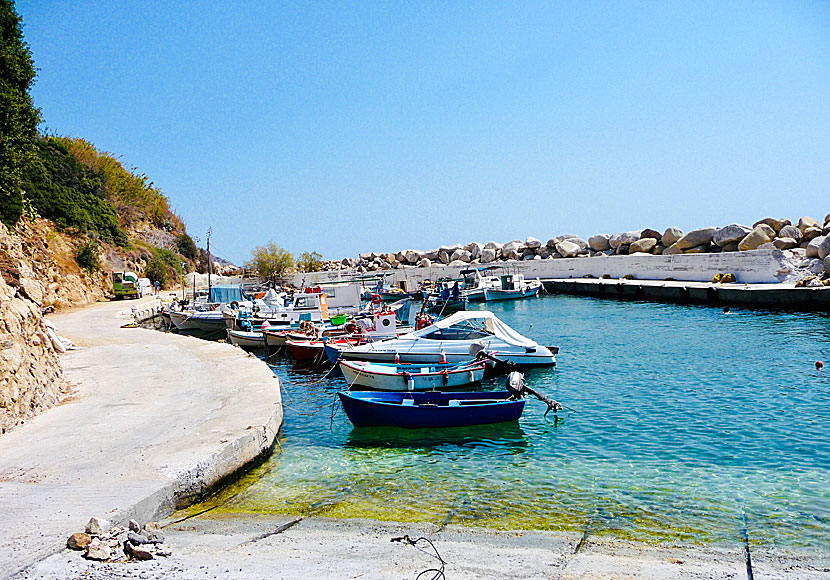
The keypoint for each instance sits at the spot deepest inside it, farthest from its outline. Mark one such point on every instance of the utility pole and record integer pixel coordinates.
(210, 263)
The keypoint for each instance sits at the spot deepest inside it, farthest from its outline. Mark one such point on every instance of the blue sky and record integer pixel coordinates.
(345, 127)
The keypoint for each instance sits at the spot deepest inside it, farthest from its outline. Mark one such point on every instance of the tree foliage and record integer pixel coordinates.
(187, 247)
(270, 262)
(164, 267)
(71, 194)
(87, 256)
(133, 195)
(18, 115)
(310, 262)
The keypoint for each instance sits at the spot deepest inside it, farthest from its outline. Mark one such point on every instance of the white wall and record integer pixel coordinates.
(757, 266)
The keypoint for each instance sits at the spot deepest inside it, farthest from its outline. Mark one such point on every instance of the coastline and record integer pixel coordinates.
(245, 546)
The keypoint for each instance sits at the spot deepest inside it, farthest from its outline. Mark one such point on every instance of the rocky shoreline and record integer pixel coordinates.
(807, 241)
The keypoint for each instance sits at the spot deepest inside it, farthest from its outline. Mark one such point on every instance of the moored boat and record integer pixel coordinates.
(454, 339)
(247, 338)
(513, 287)
(412, 377)
(430, 409)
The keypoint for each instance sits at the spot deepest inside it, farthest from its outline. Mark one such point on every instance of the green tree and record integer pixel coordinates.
(163, 267)
(18, 115)
(310, 262)
(87, 256)
(187, 247)
(270, 262)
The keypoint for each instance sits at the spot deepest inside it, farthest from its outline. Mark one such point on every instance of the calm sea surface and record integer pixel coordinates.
(687, 425)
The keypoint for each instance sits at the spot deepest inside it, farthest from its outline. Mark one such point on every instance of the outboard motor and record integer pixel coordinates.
(516, 384)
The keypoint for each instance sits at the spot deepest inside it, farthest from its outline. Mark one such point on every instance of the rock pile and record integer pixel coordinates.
(101, 542)
(807, 240)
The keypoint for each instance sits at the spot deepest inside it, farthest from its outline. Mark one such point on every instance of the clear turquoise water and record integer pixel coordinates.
(687, 425)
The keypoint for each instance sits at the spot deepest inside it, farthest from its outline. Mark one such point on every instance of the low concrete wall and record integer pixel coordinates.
(757, 266)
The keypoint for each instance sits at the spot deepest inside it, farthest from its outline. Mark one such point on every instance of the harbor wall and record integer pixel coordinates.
(750, 267)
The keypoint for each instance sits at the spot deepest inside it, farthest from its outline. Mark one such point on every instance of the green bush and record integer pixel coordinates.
(187, 247)
(164, 267)
(69, 193)
(87, 256)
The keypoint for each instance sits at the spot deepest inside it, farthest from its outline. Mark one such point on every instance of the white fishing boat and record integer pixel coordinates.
(455, 339)
(203, 320)
(411, 377)
(247, 338)
(513, 287)
(475, 281)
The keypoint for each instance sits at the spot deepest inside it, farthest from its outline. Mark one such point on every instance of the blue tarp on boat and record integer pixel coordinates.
(226, 294)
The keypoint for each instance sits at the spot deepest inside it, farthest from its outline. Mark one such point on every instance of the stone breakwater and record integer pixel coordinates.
(806, 241)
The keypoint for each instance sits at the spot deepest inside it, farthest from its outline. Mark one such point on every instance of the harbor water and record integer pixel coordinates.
(686, 424)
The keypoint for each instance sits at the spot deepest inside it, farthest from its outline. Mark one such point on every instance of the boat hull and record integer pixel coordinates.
(429, 410)
(434, 357)
(415, 378)
(495, 294)
(246, 338)
(195, 321)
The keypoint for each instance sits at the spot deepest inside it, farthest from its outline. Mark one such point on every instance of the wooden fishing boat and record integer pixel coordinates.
(308, 350)
(412, 377)
(513, 287)
(430, 409)
(247, 338)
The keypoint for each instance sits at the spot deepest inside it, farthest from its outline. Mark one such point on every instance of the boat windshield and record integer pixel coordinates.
(465, 330)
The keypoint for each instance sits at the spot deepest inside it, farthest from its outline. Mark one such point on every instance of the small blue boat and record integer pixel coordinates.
(429, 410)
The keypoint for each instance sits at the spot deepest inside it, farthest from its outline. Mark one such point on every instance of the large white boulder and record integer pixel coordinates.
(730, 233)
(532, 242)
(760, 235)
(599, 242)
(462, 255)
(568, 249)
(775, 224)
(807, 222)
(624, 238)
(670, 236)
(824, 248)
(488, 255)
(475, 249)
(643, 245)
(695, 238)
(510, 250)
(413, 256)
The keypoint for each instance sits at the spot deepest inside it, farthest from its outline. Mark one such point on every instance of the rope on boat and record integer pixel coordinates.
(437, 573)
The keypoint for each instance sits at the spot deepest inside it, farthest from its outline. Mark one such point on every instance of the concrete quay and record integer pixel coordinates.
(153, 422)
(258, 546)
(762, 296)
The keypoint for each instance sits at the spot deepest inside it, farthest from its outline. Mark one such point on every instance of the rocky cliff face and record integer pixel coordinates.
(31, 379)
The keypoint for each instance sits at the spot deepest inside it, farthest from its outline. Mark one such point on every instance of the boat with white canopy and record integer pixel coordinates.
(457, 338)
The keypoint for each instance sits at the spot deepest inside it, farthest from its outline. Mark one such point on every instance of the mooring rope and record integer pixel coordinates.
(437, 573)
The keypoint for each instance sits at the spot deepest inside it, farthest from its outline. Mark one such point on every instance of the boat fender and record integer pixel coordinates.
(377, 299)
